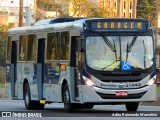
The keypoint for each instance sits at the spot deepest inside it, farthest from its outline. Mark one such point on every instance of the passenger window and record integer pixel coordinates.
(32, 48)
(64, 45)
(57, 46)
(9, 49)
(51, 46)
(23, 47)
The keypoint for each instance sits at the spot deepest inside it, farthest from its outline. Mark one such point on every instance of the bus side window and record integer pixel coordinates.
(23, 48)
(51, 48)
(64, 45)
(9, 49)
(57, 46)
(32, 48)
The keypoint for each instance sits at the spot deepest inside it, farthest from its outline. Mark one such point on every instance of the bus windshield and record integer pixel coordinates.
(119, 52)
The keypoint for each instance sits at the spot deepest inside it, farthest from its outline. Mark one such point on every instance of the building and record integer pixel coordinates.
(9, 11)
(119, 8)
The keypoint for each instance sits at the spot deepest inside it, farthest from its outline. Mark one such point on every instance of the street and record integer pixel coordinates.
(56, 110)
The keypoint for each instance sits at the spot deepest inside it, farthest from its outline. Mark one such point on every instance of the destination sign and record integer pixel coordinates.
(119, 25)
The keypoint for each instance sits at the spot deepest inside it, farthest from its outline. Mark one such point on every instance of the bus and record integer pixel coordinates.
(82, 63)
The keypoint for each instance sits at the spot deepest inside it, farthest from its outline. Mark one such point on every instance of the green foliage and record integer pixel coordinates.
(82, 8)
(3, 41)
(158, 88)
(88, 8)
(2, 85)
(146, 9)
(2, 76)
(71, 8)
(47, 5)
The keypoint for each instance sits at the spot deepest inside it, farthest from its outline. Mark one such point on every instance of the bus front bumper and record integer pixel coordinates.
(98, 95)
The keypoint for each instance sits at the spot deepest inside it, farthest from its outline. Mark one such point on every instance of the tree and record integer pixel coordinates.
(87, 8)
(3, 41)
(46, 5)
(72, 8)
(62, 8)
(42, 6)
(146, 9)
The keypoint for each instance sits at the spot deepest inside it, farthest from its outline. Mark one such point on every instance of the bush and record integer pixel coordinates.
(2, 75)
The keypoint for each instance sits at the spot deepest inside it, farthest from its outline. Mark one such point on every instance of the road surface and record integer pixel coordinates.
(56, 110)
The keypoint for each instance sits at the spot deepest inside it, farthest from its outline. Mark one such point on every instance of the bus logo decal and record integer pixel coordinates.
(126, 66)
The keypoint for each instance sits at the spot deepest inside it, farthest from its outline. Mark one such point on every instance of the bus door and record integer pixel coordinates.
(40, 67)
(13, 67)
(75, 62)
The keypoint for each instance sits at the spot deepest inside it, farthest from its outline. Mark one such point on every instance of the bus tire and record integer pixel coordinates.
(29, 104)
(88, 106)
(68, 106)
(39, 106)
(132, 106)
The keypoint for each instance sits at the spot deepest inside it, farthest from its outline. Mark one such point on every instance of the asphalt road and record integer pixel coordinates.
(56, 111)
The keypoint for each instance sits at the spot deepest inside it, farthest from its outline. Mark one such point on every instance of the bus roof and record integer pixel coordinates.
(91, 24)
(57, 20)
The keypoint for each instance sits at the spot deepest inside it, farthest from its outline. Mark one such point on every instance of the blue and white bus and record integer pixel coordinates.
(82, 63)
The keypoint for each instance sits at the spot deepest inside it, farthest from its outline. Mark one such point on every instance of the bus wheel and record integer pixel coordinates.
(39, 106)
(27, 98)
(132, 106)
(88, 106)
(68, 106)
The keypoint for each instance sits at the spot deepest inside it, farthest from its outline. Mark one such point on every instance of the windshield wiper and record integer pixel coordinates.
(144, 54)
(112, 47)
(130, 46)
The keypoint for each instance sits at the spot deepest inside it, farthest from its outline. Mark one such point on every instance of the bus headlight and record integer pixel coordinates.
(152, 80)
(88, 81)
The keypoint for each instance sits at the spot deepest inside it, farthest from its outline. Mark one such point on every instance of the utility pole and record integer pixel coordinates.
(27, 16)
(20, 13)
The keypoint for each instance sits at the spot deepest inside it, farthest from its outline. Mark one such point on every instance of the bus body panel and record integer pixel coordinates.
(27, 71)
(8, 89)
(19, 90)
(53, 93)
(9, 76)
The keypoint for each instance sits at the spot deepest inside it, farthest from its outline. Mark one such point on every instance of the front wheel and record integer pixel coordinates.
(68, 106)
(132, 106)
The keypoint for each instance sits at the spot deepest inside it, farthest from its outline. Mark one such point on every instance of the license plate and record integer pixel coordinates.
(121, 93)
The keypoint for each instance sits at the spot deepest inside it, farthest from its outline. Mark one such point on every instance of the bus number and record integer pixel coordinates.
(137, 84)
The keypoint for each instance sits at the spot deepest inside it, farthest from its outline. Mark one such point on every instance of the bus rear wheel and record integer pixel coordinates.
(132, 106)
(68, 106)
(27, 98)
(30, 104)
